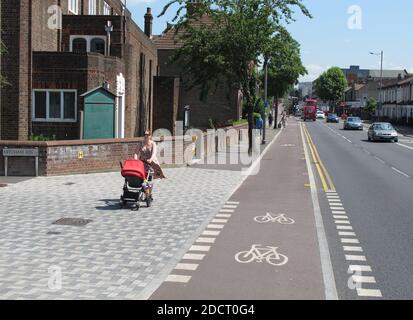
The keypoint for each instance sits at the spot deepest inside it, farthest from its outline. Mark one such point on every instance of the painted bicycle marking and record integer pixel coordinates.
(259, 253)
(280, 218)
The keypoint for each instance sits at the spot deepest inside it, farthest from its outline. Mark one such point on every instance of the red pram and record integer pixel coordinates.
(138, 183)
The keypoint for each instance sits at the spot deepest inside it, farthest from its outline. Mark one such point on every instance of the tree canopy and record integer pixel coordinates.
(331, 85)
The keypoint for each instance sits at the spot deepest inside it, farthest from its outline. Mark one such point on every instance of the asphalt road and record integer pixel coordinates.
(375, 184)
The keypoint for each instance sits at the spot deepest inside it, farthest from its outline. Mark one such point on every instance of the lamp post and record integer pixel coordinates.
(266, 100)
(381, 82)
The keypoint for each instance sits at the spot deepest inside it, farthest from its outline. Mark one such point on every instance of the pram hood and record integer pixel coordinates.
(133, 168)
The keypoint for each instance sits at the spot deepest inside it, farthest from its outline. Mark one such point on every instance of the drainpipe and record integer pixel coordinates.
(108, 29)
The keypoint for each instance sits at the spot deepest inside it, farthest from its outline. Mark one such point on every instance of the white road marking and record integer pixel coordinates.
(334, 200)
(219, 220)
(401, 172)
(354, 249)
(229, 206)
(215, 226)
(227, 210)
(363, 279)
(187, 266)
(178, 278)
(354, 268)
(223, 215)
(355, 258)
(200, 248)
(341, 222)
(345, 240)
(369, 293)
(193, 256)
(402, 145)
(344, 228)
(377, 158)
(210, 233)
(205, 240)
(348, 234)
(341, 217)
(332, 197)
(233, 202)
(339, 212)
(336, 208)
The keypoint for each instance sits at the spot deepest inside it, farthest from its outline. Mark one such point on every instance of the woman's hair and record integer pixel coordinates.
(147, 133)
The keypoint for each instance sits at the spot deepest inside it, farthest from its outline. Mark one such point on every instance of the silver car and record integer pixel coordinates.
(382, 131)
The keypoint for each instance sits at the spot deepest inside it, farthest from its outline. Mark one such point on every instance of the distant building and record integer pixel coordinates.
(305, 89)
(397, 100)
(356, 75)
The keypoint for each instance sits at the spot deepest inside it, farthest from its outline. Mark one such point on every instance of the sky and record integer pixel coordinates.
(341, 32)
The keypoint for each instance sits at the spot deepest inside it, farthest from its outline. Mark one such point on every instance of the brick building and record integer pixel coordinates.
(221, 105)
(53, 59)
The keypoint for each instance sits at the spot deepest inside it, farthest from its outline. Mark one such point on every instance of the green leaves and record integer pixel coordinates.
(331, 85)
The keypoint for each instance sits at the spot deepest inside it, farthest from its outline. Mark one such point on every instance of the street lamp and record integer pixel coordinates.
(381, 81)
(266, 100)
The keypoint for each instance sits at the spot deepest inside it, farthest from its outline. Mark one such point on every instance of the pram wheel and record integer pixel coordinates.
(136, 207)
(148, 201)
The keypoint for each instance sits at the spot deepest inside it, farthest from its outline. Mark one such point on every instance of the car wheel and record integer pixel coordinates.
(368, 138)
(396, 140)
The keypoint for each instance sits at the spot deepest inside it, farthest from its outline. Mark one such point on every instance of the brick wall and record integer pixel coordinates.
(166, 95)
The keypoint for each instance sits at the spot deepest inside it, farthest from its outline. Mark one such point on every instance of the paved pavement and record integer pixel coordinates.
(223, 262)
(373, 200)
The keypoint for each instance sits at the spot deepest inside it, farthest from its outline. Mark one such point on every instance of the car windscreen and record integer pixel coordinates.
(383, 126)
(354, 120)
(332, 115)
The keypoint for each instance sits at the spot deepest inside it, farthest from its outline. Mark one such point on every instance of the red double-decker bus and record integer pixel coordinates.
(310, 110)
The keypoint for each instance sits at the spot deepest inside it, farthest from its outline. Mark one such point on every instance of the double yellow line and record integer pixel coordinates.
(322, 171)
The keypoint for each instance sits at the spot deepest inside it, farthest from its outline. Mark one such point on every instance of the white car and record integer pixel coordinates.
(321, 115)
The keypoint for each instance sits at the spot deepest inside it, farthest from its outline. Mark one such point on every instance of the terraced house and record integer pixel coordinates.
(397, 100)
(76, 69)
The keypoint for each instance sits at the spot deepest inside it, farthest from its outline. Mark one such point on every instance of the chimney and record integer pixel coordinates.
(148, 22)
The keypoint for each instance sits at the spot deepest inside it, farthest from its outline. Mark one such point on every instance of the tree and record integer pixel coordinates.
(229, 47)
(371, 105)
(331, 85)
(284, 66)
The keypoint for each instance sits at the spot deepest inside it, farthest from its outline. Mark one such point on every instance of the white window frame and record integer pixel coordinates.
(92, 7)
(48, 119)
(88, 39)
(106, 9)
(70, 4)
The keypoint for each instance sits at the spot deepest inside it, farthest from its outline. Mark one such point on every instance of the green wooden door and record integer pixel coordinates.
(99, 115)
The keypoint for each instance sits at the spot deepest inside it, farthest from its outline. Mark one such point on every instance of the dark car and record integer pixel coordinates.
(332, 117)
(382, 131)
(353, 123)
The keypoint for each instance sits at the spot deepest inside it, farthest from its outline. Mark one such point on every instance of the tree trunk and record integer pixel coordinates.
(276, 113)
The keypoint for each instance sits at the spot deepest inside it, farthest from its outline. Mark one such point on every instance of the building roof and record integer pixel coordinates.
(387, 73)
(171, 39)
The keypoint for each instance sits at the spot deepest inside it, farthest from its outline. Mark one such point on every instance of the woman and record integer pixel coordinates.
(147, 154)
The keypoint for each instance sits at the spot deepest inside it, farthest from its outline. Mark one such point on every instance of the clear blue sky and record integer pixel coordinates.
(326, 39)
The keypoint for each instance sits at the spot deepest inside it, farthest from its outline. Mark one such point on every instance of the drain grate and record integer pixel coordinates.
(76, 222)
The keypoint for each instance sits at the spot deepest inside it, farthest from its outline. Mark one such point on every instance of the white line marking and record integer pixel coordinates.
(363, 279)
(219, 220)
(187, 266)
(177, 278)
(229, 206)
(223, 215)
(354, 249)
(344, 228)
(369, 293)
(348, 234)
(341, 222)
(227, 210)
(355, 258)
(326, 265)
(339, 212)
(216, 226)
(402, 145)
(336, 208)
(332, 197)
(401, 172)
(344, 217)
(205, 240)
(193, 256)
(200, 248)
(354, 268)
(345, 240)
(382, 161)
(334, 200)
(233, 202)
(210, 233)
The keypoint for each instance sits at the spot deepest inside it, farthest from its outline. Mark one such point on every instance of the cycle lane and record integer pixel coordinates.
(216, 267)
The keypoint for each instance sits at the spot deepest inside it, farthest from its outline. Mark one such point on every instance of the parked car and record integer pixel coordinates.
(353, 123)
(320, 114)
(298, 113)
(382, 131)
(333, 117)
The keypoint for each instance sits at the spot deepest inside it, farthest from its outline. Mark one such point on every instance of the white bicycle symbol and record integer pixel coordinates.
(259, 253)
(280, 218)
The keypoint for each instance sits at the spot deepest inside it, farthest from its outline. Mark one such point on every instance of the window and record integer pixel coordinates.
(79, 45)
(97, 45)
(106, 9)
(73, 6)
(54, 105)
(92, 7)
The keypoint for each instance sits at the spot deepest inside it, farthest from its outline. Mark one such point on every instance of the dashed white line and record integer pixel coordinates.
(205, 240)
(380, 160)
(344, 217)
(193, 256)
(369, 293)
(347, 234)
(215, 226)
(355, 258)
(358, 268)
(187, 266)
(363, 279)
(342, 222)
(227, 210)
(219, 220)
(178, 278)
(200, 248)
(210, 233)
(401, 172)
(344, 228)
(348, 240)
(229, 206)
(223, 215)
(353, 249)
(233, 202)
(339, 212)
(402, 145)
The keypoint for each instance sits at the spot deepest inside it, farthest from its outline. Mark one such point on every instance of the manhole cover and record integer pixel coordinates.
(2, 185)
(77, 222)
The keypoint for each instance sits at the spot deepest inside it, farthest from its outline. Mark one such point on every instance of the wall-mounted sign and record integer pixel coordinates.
(80, 155)
(8, 152)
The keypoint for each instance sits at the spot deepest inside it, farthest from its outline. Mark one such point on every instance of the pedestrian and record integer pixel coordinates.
(284, 119)
(270, 119)
(147, 153)
(259, 123)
